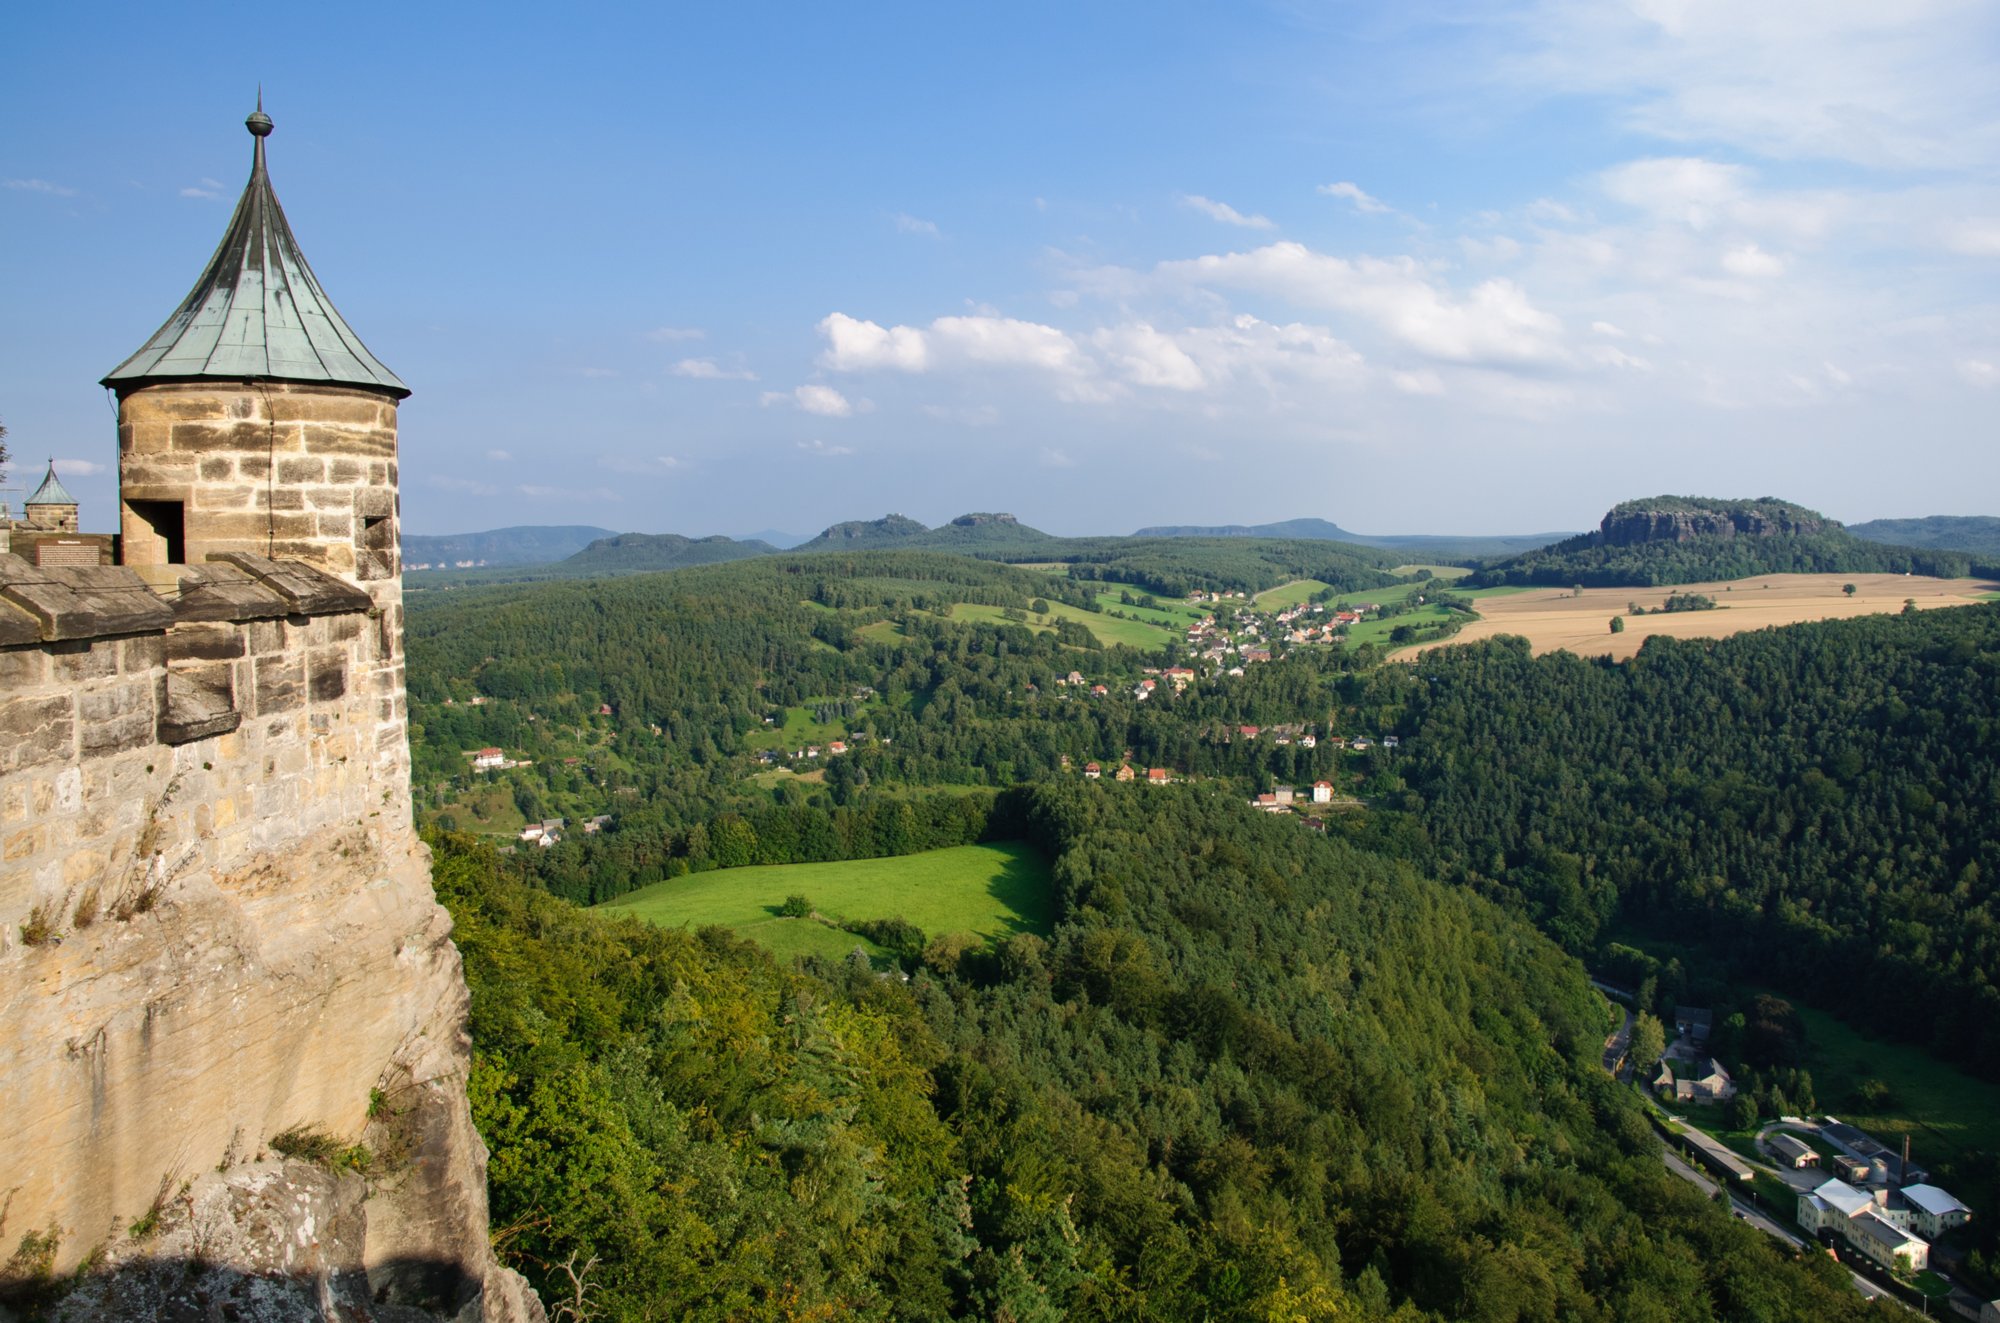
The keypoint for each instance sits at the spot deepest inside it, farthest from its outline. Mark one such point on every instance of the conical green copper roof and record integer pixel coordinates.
(51, 492)
(258, 312)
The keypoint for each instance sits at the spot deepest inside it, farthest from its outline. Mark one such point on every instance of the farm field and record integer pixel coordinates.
(990, 890)
(1553, 618)
(1437, 571)
(1170, 612)
(1109, 630)
(1378, 630)
(1289, 594)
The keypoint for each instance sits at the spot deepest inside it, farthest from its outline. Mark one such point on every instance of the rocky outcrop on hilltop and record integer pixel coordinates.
(1682, 519)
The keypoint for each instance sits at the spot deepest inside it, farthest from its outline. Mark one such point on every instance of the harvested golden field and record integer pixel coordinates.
(1552, 618)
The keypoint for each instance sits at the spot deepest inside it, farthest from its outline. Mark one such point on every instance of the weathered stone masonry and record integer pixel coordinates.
(216, 919)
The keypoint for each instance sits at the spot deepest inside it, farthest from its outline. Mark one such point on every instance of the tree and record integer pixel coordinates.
(1649, 1040)
(1847, 588)
(1618, 624)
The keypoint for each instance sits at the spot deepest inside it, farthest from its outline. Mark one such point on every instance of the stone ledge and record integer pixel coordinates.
(82, 603)
(308, 591)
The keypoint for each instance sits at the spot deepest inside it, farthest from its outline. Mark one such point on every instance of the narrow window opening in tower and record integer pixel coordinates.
(157, 534)
(375, 547)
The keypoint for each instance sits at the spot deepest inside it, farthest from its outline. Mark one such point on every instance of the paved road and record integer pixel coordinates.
(1614, 1046)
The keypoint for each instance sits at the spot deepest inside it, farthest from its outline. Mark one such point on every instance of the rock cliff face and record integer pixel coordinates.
(981, 520)
(217, 930)
(1630, 525)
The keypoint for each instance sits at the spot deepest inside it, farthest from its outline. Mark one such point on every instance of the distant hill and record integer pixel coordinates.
(627, 553)
(968, 533)
(1437, 546)
(778, 538)
(1978, 535)
(526, 545)
(1692, 539)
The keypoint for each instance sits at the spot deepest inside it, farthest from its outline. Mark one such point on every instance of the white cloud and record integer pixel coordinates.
(1353, 193)
(1974, 238)
(825, 451)
(1684, 188)
(1222, 211)
(1425, 382)
(666, 335)
(1052, 458)
(207, 188)
(1980, 373)
(1148, 358)
(500, 456)
(81, 468)
(39, 186)
(1750, 261)
(707, 369)
(811, 398)
(1494, 322)
(1607, 328)
(908, 224)
(855, 346)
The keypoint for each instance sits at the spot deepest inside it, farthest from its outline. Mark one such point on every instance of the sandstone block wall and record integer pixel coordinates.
(216, 921)
(300, 472)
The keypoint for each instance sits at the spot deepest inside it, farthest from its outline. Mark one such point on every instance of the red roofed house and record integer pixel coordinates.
(1322, 792)
(1092, 770)
(1157, 776)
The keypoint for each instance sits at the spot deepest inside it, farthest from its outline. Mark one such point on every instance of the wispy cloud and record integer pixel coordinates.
(81, 468)
(1222, 211)
(1051, 458)
(667, 335)
(39, 186)
(1354, 194)
(908, 224)
(811, 398)
(707, 369)
(825, 451)
(207, 188)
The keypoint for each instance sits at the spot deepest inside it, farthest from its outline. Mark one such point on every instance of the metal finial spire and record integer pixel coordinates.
(259, 123)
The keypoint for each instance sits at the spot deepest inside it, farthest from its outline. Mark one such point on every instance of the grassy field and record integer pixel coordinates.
(1288, 594)
(1437, 571)
(1946, 1114)
(798, 731)
(1378, 630)
(1553, 618)
(1109, 630)
(882, 631)
(990, 890)
(1168, 611)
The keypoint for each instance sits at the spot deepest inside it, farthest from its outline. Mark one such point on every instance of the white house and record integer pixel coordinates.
(1863, 1221)
(1932, 1211)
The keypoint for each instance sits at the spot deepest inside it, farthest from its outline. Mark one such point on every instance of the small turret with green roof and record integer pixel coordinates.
(52, 507)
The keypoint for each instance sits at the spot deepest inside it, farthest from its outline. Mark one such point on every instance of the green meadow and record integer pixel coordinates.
(992, 891)
(1109, 630)
(1289, 594)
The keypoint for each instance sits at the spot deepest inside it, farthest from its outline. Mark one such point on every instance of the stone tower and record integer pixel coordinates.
(255, 421)
(52, 507)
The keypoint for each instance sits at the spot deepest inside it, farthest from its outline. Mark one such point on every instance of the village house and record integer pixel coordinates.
(1268, 803)
(488, 759)
(1322, 790)
(1285, 794)
(836, 748)
(1092, 771)
(1074, 677)
(592, 826)
(1098, 691)
(1702, 1081)
(1157, 776)
(1308, 741)
(1124, 772)
(1693, 1022)
(1794, 1152)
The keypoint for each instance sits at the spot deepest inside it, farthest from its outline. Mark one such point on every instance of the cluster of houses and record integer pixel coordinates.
(1155, 776)
(549, 831)
(1280, 799)
(1893, 1225)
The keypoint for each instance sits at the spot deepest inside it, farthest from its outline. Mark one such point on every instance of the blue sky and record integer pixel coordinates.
(1415, 268)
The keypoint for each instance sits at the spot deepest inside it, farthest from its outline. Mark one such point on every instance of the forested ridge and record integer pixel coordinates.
(1252, 1074)
(1816, 804)
(1677, 539)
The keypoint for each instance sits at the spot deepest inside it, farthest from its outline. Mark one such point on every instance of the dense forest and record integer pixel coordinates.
(1978, 535)
(1816, 804)
(1252, 1074)
(1678, 539)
